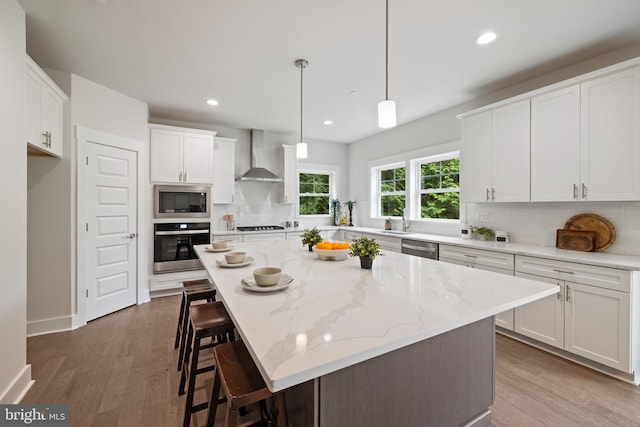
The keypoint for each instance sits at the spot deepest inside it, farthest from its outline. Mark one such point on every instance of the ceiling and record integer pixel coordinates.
(174, 55)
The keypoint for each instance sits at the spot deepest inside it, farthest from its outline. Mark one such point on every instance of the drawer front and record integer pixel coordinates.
(229, 237)
(603, 277)
(478, 257)
(392, 244)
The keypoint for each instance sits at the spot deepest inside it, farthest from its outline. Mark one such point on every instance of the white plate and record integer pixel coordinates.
(210, 249)
(223, 263)
(249, 284)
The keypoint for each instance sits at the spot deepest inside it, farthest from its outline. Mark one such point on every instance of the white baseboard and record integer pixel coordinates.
(49, 326)
(14, 393)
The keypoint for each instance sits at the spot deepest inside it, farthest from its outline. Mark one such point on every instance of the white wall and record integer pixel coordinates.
(262, 203)
(52, 299)
(15, 374)
(533, 223)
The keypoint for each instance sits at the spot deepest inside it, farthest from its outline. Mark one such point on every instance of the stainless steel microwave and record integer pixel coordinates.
(182, 201)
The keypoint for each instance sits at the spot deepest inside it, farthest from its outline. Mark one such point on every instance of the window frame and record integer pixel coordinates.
(419, 191)
(317, 169)
(378, 188)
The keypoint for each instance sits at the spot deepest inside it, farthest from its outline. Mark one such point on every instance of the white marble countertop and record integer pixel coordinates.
(601, 259)
(335, 314)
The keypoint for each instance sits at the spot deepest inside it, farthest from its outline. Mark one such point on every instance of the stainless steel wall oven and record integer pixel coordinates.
(173, 245)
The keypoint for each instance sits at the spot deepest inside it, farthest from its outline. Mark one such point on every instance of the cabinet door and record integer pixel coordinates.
(542, 320)
(197, 158)
(51, 120)
(475, 158)
(611, 136)
(166, 156)
(224, 183)
(597, 325)
(290, 174)
(555, 145)
(510, 153)
(34, 128)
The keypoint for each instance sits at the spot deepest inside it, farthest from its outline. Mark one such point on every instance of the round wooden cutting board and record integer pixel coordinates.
(588, 221)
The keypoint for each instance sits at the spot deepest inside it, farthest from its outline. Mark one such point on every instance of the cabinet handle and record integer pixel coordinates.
(493, 194)
(47, 139)
(559, 294)
(584, 191)
(185, 177)
(470, 256)
(575, 192)
(567, 295)
(563, 271)
(285, 198)
(487, 194)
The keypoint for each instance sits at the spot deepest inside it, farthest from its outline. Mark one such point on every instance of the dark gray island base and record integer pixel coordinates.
(444, 381)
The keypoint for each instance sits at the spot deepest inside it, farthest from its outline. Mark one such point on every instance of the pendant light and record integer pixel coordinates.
(386, 108)
(301, 147)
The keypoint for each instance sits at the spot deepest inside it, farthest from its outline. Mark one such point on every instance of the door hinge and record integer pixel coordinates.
(87, 160)
(87, 292)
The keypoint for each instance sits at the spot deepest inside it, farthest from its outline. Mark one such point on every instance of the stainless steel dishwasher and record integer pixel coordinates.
(420, 248)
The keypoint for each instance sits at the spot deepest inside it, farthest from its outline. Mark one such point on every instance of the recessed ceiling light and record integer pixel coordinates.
(328, 122)
(486, 37)
(212, 102)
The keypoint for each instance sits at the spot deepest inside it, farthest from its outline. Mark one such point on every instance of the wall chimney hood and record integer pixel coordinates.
(257, 173)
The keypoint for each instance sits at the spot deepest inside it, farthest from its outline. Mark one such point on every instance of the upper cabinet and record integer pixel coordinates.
(585, 140)
(575, 140)
(290, 174)
(45, 102)
(610, 137)
(180, 155)
(495, 156)
(224, 180)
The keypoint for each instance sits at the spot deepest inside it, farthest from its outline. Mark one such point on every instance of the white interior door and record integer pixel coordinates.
(111, 196)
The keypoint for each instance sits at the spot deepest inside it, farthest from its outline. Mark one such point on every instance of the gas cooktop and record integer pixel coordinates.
(259, 228)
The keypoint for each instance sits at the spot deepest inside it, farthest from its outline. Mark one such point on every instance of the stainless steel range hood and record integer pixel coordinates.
(256, 172)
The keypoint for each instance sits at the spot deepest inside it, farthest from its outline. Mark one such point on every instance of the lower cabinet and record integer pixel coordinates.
(392, 244)
(497, 262)
(591, 321)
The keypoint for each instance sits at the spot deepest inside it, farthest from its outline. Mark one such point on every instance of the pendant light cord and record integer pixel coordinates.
(301, 73)
(386, 48)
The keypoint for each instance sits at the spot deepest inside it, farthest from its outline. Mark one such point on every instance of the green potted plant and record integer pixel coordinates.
(367, 249)
(484, 233)
(311, 237)
(349, 204)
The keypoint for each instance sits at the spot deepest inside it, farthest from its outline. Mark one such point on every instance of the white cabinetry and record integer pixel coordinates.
(591, 317)
(585, 140)
(45, 102)
(392, 244)
(496, 262)
(224, 180)
(181, 155)
(495, 158)
(610, 133)
(290, 174)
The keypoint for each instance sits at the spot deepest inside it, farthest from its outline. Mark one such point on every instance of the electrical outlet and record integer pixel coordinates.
(482, 216)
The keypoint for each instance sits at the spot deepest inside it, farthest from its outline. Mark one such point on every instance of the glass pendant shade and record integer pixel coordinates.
(301, 150)
(386, 114)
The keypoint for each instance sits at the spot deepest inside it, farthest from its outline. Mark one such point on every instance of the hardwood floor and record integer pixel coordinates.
(120, 370)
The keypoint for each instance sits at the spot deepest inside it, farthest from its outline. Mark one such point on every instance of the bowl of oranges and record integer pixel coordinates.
(332, 251)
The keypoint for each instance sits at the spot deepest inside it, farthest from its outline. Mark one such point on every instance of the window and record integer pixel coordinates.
(392, 191)
(439, 191)
(315, 193)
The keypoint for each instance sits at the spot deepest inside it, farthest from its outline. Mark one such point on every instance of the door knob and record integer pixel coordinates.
(131, 236)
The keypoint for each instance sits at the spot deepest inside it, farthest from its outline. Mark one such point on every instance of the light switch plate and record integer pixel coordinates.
(482, 216)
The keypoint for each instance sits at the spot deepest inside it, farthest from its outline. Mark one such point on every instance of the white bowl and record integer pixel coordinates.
(219, 244)
(331, 254)
(235, 257)
(267, 276)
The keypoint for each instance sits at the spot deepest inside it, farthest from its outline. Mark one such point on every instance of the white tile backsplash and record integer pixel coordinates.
(536, 223)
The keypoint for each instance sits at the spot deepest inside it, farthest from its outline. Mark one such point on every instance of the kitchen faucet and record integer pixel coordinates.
(405, 224)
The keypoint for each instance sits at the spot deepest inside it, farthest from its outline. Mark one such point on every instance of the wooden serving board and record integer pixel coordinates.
(576, 240)
(593, 222)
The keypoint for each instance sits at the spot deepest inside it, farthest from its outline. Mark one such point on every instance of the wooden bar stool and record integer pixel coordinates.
(194, 290)
(242, 385)
(209, 320)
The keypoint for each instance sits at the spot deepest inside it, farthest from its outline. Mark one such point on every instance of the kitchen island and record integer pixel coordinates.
(410, 342)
